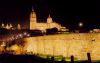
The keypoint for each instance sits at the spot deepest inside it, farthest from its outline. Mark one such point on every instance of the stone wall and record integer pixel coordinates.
(77, 44)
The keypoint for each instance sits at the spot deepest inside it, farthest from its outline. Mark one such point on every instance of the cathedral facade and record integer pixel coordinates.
(34, 24)
(43, 26)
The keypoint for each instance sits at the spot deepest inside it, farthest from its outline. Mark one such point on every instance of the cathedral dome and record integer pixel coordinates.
(49, 19)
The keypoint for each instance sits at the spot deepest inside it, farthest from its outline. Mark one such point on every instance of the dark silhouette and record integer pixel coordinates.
(52, 31)
(89, 58)
(72, 59)
(9, 58)
(36, 32)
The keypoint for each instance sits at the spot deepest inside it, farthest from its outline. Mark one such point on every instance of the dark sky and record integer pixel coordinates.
(69, 13)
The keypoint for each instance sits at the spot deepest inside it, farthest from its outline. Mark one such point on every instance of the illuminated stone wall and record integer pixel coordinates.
(77, 44)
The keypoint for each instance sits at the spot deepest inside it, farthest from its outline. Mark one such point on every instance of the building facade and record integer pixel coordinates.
(10, 26)
(43, 26)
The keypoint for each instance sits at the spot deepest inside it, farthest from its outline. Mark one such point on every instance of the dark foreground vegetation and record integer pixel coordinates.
(9, 58)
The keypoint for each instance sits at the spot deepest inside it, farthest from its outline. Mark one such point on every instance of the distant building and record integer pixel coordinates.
(19, 27)
(9, 26)
(35, 25)
(95, 30)
(43, 26)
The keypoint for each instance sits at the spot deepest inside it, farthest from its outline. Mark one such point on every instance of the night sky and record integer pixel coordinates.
(69, 13)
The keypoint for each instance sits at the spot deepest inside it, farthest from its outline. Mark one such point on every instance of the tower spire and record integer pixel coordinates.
(49, 16)
(49, 19)
(32, 9)
(18, 27)
(33, 20)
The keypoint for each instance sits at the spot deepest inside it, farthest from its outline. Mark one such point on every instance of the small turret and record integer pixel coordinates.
(32, 9)
(18, 27)
(3, 26)
(49, 19)
(10, 26)
(7, 26)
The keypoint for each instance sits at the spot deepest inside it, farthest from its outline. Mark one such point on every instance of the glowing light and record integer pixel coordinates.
(17, 36)
(80, 24)
(3, 44)
(28, 34)
(14, 47)
(12, 38)
(25, 33)
(20, 35)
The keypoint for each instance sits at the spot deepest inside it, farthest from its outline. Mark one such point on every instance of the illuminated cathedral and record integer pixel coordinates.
(35, 25)
(43, 26)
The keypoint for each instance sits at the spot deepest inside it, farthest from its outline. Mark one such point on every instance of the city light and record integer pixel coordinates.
(20, 35)
(3, 44)
(28, 34)
(25, 33)
(80, 24)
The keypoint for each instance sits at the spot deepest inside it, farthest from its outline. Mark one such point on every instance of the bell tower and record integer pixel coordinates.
(33, 20)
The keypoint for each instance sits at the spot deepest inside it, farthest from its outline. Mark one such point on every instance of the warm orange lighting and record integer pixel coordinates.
(77, 44)
(42, 26)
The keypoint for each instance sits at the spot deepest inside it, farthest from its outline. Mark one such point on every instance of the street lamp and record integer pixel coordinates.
(28, 34)
(20, 35)
(25, 33)
(80, 24)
